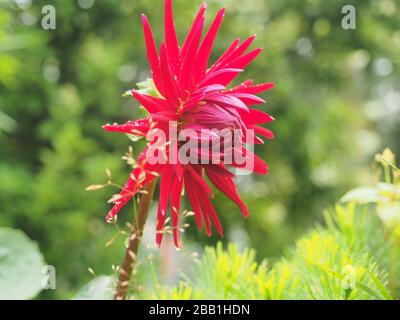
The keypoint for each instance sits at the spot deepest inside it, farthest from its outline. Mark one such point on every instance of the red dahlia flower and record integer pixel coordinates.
(194, 97)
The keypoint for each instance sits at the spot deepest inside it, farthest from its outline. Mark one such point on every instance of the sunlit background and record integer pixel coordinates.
(336, 103)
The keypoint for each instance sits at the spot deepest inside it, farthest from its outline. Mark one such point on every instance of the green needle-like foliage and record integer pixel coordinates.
(344, 260)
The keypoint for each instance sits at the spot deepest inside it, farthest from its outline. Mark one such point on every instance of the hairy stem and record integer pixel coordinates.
(131, 252)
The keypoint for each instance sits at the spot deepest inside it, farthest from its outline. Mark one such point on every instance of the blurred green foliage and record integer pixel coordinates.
(346, 260)
(337, 102)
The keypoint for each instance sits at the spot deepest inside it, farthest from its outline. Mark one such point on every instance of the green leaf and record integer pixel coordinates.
(385, 293)
(21, 266)
(133, 137)
(100, 288)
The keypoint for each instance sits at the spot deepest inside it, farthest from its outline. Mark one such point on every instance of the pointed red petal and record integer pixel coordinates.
(239, 51)
(220, 62)
(205, 49)
(254, 116)
(225, 100)
(232, 53)
(191, 193)
(222, 77)
(138, 127)
(150, 103)
(192, 174)
(186, 76)
(259, 166)
(226, 185)
(167, 178)
(262, 131)
(244, 61)
(189, 37)
(176, 191)
(248, 99)
(152, 55)
(171, 41)
(171, 92)
(160, 225)
(246, 88)
(211, 213)
(141, 175)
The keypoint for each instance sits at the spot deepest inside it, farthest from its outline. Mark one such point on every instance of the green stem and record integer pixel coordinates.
(130, 258)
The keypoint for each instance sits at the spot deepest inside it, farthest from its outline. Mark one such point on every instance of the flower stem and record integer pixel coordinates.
(130, 259)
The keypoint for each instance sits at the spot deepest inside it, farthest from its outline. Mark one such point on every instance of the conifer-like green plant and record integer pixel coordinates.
(352, 257)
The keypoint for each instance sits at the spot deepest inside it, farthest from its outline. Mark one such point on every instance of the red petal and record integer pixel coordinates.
(227, 186)
(193, 101)
(262, 131)
(225, 55)
(242, 48)
(138, 127)
(171, 41)
(245, 88)
(244, 61)
(186, 76)
(211, 88)
(248, 99)
(259, 166)
(198, 179)
(171, 93)
(225, 100)
(191, 193)
(167, 179)
(141, 175)
(189, 37)
(254, 116)
(236, 53)
(209, 209)
(222, 77)
(150, 103)
(152, 55)
(205, 49)
(176, 192)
